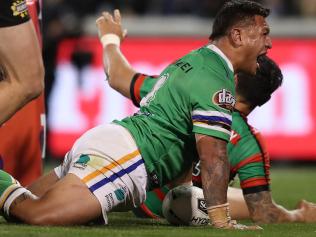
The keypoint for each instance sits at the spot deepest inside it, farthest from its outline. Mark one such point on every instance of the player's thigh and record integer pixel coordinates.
(20, 51)
(71, 201)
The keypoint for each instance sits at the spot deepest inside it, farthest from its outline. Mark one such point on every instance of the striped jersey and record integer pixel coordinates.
(248, 156)
(195, 94)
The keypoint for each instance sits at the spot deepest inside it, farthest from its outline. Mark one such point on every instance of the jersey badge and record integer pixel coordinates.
(82, 162)
(19, 8)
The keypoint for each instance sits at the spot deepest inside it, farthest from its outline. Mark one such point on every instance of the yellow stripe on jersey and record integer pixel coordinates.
(111, 166)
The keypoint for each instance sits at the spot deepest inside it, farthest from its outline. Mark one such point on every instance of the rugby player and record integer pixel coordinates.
(26, 128)
(186, 116)
(22, 77)
(246, 150)
(247, 154)
(252, 165)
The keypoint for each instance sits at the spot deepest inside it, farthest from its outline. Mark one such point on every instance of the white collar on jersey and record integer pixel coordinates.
(220, 53)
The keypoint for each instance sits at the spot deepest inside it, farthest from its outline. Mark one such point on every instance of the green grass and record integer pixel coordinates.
(288, 186)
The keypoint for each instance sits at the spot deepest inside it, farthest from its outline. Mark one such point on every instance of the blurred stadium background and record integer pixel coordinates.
(160, 31)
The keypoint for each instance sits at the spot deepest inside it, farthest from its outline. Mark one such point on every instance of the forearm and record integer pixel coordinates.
(22, 74)
(214, 169)
(262, 209)
(214, 174)
(116, 66)
(277, 214)
(118, 69)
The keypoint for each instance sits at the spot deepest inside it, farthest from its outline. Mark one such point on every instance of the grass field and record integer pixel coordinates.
(288, 186)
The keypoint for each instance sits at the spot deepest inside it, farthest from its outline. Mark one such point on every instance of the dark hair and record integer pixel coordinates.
(234, 12)
(257, 89)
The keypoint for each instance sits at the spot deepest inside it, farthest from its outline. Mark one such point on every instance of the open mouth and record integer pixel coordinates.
(260, 55)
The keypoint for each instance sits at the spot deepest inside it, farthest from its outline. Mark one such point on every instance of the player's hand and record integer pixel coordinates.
(220, 219)
(233, 225)
(307, 210)
(108, 24)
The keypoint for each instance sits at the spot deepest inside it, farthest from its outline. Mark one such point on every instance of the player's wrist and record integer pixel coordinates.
(110, 39)
(219, 215)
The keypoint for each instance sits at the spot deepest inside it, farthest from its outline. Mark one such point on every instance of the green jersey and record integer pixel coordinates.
(193, 95)
(246, 152)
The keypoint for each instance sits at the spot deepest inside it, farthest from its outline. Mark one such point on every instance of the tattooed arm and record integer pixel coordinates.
(263, 209)
(215, 175)
(214, 169)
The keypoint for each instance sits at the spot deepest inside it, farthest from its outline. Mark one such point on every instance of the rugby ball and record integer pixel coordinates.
(185, 205)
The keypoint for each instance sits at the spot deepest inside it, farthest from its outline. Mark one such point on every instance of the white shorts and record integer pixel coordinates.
(107, 160)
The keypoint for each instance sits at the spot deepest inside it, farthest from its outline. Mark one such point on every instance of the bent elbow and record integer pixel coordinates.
(34, 85)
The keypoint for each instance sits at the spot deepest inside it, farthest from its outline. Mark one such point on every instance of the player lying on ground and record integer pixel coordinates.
(112, 166)
(246, 150)
(21, 65)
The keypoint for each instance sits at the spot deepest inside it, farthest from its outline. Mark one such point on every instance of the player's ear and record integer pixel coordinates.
(235, 35)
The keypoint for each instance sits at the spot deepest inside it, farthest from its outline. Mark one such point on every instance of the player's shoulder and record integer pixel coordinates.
(203, 56)
(189, 63)
(206, 60)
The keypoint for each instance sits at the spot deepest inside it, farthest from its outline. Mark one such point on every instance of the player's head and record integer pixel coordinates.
(234, 13)
(243, 23)
(257, 90)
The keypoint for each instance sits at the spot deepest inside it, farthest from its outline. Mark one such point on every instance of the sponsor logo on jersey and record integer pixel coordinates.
(82, 162)
(109, 200)
(202, 205)
(199, 221)
(224, 99)
(19, 8)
